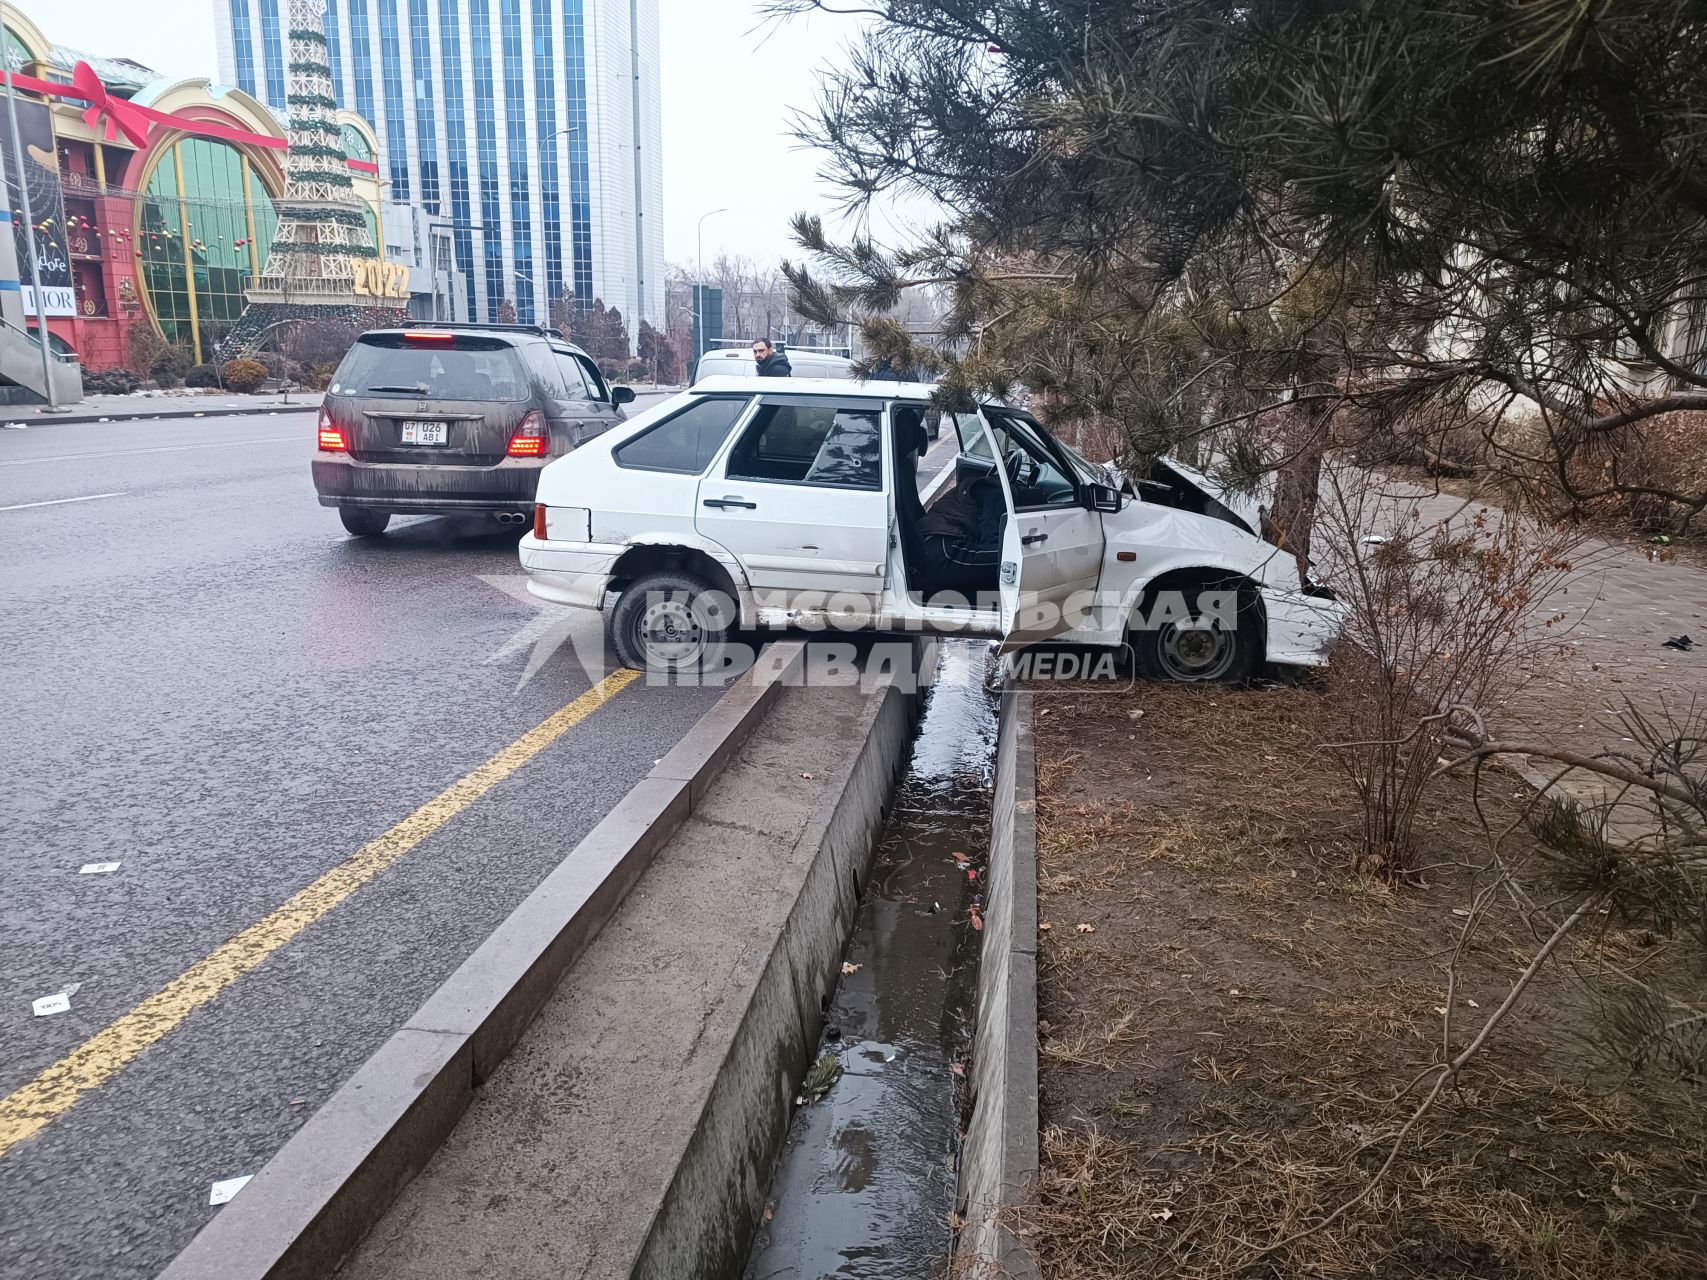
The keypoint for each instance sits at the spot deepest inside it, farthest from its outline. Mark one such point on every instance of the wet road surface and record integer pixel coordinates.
(207, 681)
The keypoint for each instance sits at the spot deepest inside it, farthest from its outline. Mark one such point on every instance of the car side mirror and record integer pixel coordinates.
(622, 395)
(1102, 497)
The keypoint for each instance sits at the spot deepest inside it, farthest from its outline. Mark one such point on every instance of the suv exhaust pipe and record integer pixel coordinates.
(514, 517)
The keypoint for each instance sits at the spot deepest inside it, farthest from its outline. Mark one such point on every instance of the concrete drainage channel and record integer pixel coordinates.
(866, 1183)
(675, 969)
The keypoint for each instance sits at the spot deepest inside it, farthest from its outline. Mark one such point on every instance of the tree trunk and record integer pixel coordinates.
(1303, 438)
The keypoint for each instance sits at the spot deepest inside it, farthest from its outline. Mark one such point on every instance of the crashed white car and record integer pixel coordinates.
(751, 503)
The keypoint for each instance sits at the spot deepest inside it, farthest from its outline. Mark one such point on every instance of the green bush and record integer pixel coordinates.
(244, 376)
(170, 366)
(318, 376)
(203, 375)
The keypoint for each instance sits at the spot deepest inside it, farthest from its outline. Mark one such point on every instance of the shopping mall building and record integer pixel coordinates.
(169, 233)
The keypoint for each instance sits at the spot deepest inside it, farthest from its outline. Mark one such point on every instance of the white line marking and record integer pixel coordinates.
(59, 502)
(165, 448)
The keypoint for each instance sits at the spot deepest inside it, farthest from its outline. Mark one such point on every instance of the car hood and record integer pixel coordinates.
(1155, 530)
(1241, 504)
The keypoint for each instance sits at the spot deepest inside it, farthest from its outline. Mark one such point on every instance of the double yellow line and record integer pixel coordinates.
(55, 1091)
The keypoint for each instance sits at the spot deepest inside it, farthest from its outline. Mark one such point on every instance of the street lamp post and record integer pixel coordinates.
(30, 239)
(543, 143)
(699, 291)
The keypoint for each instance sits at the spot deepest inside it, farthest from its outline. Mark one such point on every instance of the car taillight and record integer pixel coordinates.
(539, 521)
(531, 439)
(332, 438)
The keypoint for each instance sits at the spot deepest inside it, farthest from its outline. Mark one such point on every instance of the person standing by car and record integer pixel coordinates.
(772, 363)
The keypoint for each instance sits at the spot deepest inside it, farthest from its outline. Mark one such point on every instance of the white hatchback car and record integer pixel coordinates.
(761, 502)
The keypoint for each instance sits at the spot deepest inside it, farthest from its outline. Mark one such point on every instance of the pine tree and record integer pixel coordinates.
(1474, 222)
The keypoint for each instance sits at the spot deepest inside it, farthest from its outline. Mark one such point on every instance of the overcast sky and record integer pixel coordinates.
(731, 81)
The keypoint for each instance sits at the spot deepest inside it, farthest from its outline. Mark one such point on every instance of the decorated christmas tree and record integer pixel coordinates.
(310, 272)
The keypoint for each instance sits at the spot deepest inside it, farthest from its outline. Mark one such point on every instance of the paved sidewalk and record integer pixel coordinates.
(187, 404)
(162, 404)
(1620, 609)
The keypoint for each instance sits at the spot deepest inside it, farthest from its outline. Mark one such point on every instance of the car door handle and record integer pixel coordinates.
(731, 501)
(1030, 538)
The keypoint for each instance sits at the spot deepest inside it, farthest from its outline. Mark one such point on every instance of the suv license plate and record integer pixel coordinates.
(415, 432)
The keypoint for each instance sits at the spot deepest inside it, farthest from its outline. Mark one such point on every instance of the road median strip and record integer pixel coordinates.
(55, 1091)
(326, 1187)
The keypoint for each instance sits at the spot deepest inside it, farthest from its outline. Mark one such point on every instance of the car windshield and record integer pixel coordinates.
(444, 367)
(1087, 473)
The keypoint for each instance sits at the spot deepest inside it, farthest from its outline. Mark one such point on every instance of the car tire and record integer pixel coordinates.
(672, 621)
(363, 522)
(1189, 646)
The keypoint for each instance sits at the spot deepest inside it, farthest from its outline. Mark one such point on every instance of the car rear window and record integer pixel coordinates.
(685, 442)
(451, 367)
(810, 442)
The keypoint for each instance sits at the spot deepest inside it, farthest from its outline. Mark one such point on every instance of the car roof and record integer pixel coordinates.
(518, 333)
(875, 388)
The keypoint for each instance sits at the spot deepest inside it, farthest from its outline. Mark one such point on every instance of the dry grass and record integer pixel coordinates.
(1221, 1054)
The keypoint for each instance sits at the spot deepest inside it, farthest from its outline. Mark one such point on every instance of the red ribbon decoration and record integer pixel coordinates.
(109, 115)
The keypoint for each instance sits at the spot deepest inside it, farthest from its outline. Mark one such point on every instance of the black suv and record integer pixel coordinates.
(442, 419)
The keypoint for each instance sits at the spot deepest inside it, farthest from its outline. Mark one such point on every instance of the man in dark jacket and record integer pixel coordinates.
(772, 363)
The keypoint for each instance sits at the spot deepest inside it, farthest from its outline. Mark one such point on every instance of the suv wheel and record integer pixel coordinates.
(670, 621)
(1195, 646)
(363, 522)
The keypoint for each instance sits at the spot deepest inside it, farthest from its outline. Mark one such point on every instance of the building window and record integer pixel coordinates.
(272, 52)
(355, 143)
(456, 145)
(242, 42)
(335, 51)
(200, 243)
(575, 112)
(486, 154)
(426, 126)
(391, 73)
(18, 55)
(361, 60)
(550, 192)
(521, 166)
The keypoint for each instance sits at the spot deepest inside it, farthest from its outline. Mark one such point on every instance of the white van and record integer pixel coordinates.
(737, 362)
(769, 502)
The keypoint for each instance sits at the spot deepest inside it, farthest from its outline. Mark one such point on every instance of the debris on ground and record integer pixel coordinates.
(221, 1192)
(820, 1079)
(1682, 643)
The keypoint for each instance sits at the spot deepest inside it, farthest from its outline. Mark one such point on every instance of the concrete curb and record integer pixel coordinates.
(999, 1161)
(328, 1185)
(149, 415)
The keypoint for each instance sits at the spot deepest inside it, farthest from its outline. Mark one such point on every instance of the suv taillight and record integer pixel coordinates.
(332, 438)
(531, 439)
(539, 521)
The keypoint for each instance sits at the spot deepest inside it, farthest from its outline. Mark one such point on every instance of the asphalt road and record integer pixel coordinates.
(205, 680)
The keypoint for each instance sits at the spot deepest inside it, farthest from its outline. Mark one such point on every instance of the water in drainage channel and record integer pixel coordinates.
(865, 1184)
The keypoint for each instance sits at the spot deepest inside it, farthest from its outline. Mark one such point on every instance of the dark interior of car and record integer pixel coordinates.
(911, 441)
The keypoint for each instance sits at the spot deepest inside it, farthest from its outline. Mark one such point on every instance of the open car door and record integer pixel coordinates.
(1052, 544)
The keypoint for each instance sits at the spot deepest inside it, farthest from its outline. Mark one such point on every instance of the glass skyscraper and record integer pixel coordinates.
(530, 128)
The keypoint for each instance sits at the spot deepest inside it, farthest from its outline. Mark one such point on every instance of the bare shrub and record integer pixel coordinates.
(1438, 614)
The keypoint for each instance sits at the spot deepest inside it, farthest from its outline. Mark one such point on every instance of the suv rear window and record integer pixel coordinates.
(452, 367)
